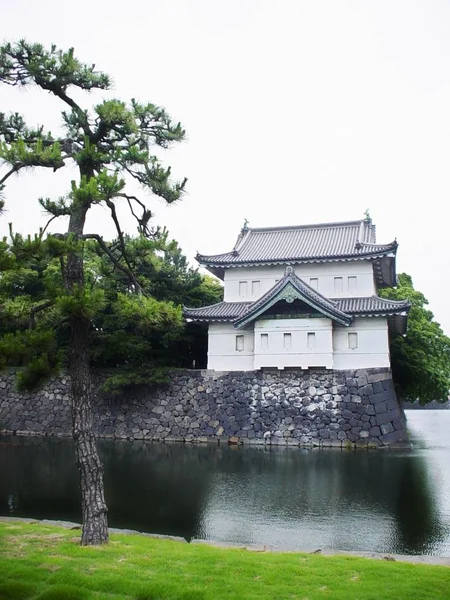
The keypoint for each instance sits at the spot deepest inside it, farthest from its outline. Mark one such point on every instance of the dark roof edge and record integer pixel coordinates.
(306, 226)
(386, 249)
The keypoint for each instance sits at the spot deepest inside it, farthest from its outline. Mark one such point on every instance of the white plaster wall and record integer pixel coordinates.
(373, 344)
(222, 353)
(331, 345)
(324, 272)
(299, 355)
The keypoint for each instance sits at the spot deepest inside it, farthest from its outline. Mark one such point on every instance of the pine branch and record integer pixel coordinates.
(144, 218)
(128, 272)
(37, 309)
(15, 169)
(52, 70)
(43, 229)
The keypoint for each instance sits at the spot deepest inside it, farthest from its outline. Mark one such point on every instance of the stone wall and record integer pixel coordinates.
(291, 407)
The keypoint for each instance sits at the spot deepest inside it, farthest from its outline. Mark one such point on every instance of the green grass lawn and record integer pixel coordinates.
(47, 563)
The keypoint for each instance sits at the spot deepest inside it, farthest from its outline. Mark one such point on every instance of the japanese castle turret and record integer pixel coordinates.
(305, 297)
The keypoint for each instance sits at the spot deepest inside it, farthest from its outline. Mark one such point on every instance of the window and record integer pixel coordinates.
(311, 340)
(239, 343)
(338, 285)
(287, 341)
(242, 289)
(352, 341)
(352, 284)
(314, 283)
(264, 341)
(255, 288)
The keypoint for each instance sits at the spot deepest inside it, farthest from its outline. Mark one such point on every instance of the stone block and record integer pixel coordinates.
(367, 390)
(393, 437)
(377, 387)
(393, 403)
(375, 431)
(375, 377)
(380, 408)
(388, 385)
(398, 424)
(362, 380)
(386, 417)
(386, 428)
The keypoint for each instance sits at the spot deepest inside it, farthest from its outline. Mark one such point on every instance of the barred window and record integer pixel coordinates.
(264, 341)
(287, 341)
(311, 340)
(239, 343)
(352, 341)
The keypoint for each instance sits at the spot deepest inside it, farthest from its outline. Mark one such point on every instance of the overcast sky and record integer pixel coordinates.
(296, 112)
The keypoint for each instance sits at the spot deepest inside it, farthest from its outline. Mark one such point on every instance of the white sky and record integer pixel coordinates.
(296, 112)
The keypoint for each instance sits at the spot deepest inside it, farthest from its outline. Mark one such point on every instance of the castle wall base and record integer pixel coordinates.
(283, 408)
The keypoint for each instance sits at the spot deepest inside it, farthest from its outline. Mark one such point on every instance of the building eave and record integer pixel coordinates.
(322, 242)
(349, 307)
(210, 263)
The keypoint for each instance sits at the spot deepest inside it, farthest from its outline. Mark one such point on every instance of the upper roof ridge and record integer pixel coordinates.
(305, 226)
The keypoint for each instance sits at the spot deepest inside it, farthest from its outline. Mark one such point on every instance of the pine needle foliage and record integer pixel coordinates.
(108, 144)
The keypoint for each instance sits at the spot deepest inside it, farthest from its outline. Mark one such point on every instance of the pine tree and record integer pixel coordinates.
(108, 143)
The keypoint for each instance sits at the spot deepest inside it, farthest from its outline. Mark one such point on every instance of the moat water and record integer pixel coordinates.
(380, 501)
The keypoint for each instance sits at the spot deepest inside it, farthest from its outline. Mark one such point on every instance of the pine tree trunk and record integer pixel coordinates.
(94, 510)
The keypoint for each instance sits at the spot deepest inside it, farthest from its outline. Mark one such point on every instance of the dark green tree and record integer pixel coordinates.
(141, 353)
(108, 143)
(420, 360)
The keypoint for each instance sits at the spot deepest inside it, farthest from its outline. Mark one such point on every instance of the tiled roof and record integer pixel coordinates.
(369, 306)
(372, 305)
(306, 243)
(223, 311)
(289, 288)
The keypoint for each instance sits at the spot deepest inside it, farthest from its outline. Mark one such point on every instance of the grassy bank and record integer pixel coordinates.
(47, 563)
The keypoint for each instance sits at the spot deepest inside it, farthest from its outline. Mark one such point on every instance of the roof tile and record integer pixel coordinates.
(352, 239)
(368, 306)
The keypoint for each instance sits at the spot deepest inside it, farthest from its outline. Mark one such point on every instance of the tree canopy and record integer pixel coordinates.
(137, 338)
(420, 360)
(110, 144)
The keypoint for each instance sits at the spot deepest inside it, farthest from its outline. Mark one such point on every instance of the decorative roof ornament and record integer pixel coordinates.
(245, 226)
(367, 216)
(289, 270)
(289, 295)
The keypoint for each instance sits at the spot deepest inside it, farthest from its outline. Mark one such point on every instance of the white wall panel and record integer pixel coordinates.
(325, 273)
(222, 353)
(373, 344)
(279, 353)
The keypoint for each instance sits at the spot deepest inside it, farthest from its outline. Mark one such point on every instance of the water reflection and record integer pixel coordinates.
(378, 501)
